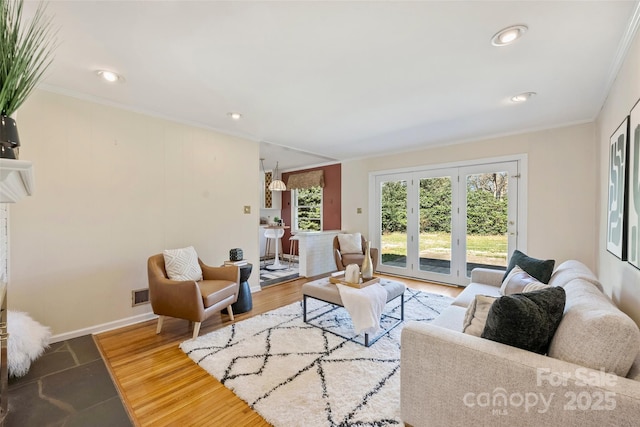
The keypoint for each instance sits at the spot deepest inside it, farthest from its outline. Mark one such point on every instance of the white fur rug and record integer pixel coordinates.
(27, 341)
(294, 374)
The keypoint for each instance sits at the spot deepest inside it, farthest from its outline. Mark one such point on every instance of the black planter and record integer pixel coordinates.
(9, 140)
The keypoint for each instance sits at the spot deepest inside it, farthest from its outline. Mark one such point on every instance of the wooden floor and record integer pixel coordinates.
(161, 386)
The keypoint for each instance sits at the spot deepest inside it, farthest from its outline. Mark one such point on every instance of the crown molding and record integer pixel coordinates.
(621, 53)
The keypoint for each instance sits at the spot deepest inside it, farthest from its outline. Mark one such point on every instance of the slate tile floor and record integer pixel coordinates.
(68, 386)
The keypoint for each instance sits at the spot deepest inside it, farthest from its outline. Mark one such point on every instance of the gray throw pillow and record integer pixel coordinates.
(540, 269)
(527, 320)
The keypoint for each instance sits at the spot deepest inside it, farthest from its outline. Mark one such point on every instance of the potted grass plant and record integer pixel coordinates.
(26, 51)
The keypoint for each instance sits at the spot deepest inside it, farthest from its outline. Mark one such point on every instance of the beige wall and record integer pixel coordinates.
(621, 279)
(561, 181)
(112, 188)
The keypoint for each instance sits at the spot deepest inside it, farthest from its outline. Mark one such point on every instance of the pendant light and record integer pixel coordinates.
(277, 184)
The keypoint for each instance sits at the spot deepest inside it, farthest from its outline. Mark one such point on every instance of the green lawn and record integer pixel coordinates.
(480, 249)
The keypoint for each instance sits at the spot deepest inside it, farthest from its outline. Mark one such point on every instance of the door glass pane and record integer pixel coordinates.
(487, 240)
(393, 214)
(435, 225)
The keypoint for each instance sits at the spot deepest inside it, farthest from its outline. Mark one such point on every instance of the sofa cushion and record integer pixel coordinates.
(350, 243)
(516, 281)
(469, 293)
(526, 320)
(540, 269)
(476, 316)
(570, 270)
(182, 264)
(451, 318)
(594, 332)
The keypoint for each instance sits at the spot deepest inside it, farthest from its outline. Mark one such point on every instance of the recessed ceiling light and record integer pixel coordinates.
(109, 76)
(508, 35)
(522, 97)
(235, 116)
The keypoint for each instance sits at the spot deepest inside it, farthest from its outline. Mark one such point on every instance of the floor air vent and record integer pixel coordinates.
(139, 297)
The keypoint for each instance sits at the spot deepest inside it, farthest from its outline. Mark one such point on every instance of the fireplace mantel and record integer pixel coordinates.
(16, 180)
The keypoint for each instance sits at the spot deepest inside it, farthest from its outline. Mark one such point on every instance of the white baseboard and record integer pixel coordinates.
(103, 327)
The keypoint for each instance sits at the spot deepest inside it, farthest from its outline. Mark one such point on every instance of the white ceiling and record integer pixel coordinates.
(344, 80)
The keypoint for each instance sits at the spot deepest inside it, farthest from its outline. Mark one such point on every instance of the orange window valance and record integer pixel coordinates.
(303, 180)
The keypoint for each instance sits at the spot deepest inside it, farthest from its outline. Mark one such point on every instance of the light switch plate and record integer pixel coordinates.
(247, 209)
(359, 210)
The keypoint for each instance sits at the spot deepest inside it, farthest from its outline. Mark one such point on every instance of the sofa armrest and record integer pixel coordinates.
(487, 276)
(451, 378)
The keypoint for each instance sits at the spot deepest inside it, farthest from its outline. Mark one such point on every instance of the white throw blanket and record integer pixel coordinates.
(364, 305)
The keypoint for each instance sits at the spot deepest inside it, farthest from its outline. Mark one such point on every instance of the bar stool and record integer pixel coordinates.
(293, 243)
(273, 234)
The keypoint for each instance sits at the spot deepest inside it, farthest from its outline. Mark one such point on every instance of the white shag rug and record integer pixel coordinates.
(294, 374)
(27, 341)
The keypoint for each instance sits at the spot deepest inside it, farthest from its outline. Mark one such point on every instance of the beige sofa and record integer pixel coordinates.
(590, 377)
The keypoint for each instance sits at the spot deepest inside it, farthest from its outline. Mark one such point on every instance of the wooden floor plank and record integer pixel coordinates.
(161, 386)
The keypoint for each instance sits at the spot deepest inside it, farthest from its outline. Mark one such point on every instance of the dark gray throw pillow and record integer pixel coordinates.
(537, 268)
(526, 320)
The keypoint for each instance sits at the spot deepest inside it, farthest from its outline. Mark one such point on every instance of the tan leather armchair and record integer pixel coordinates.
(193, 301)
(342, 260)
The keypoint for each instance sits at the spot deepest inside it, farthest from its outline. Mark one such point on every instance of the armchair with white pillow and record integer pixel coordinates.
(350, 249)
(182, 286)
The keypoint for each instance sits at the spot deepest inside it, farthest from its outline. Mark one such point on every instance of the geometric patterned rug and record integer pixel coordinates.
(294, 374)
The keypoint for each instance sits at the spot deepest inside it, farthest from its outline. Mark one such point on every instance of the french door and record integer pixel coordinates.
(439, 224)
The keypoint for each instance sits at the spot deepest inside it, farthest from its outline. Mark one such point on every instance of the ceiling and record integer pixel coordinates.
(322, 81)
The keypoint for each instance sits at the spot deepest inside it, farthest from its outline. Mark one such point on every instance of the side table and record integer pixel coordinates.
(244, 302)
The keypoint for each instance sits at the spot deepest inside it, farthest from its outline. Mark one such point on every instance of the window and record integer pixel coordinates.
(307, 209)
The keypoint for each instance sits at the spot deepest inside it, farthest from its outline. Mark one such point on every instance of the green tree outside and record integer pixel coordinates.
(486, 205)
(309, 208)
(486, 218)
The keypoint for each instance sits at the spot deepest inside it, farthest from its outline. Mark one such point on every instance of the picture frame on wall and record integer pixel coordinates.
(616, 208)
(633, 192)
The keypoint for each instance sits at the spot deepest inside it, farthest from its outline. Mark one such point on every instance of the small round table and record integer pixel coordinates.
(244, 302)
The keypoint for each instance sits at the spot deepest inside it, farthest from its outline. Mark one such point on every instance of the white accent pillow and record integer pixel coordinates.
(534, 286)
(350, 243)
(517, 280)
(182, 264)
(476, 315)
